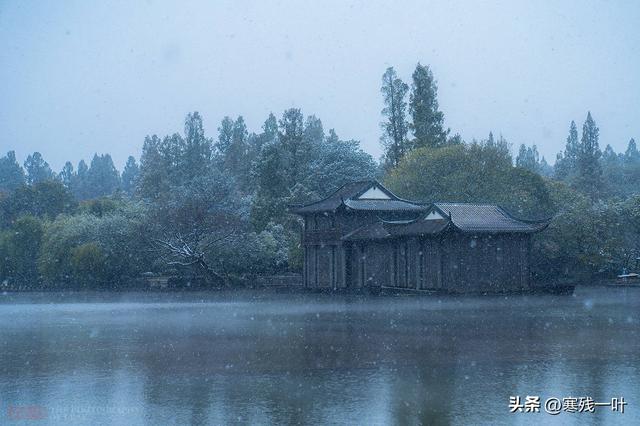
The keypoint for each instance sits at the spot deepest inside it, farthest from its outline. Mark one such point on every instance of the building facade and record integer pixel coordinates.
(364, 236)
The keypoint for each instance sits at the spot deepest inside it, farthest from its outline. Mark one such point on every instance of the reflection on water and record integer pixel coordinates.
(256, 357)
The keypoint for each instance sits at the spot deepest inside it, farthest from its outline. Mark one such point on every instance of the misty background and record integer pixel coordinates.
(84, 77)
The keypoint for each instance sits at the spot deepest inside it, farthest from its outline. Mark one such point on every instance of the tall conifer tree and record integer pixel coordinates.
(428, 121)
(395, 127)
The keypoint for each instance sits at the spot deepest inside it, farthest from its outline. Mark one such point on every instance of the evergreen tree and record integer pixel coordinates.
(313, 131)
(234, 160)
(130, 176)
(567, 162)
(559, 171)
(225, 136)
(632, 155)
(499, 146)
(37, 169)
(67, 175)
(428, 120)
(609, 156)
(257, 142)
(296, 148)
(395, 127)
(272, 185)
(455, 140)
(236, 157)
(11, 174)
(573, 146)
(102, 176)
(44, 199)
(631, 169)
(154, 171)
(545, 168)
(270, 127)
(80, 183)
(612, 172)
(528, 158)
(338, 162)
(197, 150)
(269, 134)
(172, 151)
(589, 177)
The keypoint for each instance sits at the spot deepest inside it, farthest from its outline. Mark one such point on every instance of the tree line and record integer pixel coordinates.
(593, 195)
(202, 209)
(212, 210)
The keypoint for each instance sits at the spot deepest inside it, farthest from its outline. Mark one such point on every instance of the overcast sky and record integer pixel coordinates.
(89, 76)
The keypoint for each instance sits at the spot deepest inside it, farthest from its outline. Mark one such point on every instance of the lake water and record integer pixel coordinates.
(265, 357)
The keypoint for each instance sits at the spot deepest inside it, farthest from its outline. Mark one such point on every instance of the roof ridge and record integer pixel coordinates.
(299, 206)
(467, 204)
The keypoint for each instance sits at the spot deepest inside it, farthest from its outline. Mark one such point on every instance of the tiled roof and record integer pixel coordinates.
(465, 217)
(482, 218)
(334, 200)
(381, 229)
(487, 218)
(347, 195)
(383, 205)
(421, 227)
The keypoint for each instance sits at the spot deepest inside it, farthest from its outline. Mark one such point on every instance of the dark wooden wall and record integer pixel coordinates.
(458, 263)
(453, 262)
(492, 263)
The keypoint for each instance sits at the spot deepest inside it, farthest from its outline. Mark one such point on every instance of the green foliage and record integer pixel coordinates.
(337, 162)
(233, 151)
(528, 158)
(581, 164)
(37, 169)
(621, 172)
(297, 150)
(175, 160)
(114, 243)
(88, 264)
(45, 199)
(477, 172)
(11, 174)
(302, 164)
(101, 206)
(67, 175)
(588, 165)
(545, 169)
(586, 239)
(428, 120)
(129, 176)
(5, 267)
(80, 182)
(566, 163)
(195, 158)
(155, 167)
(195, 208)
(19, 246)
(395, 127)
(254, 252)
(102, 177)
(225, 136)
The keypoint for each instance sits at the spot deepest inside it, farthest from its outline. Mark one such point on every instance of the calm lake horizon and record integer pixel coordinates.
(265, 357)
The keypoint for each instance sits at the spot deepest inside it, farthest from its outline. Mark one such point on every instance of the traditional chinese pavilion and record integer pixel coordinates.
(364, 236)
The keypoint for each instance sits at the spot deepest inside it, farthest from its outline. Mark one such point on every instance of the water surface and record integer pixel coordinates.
(260, 357)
